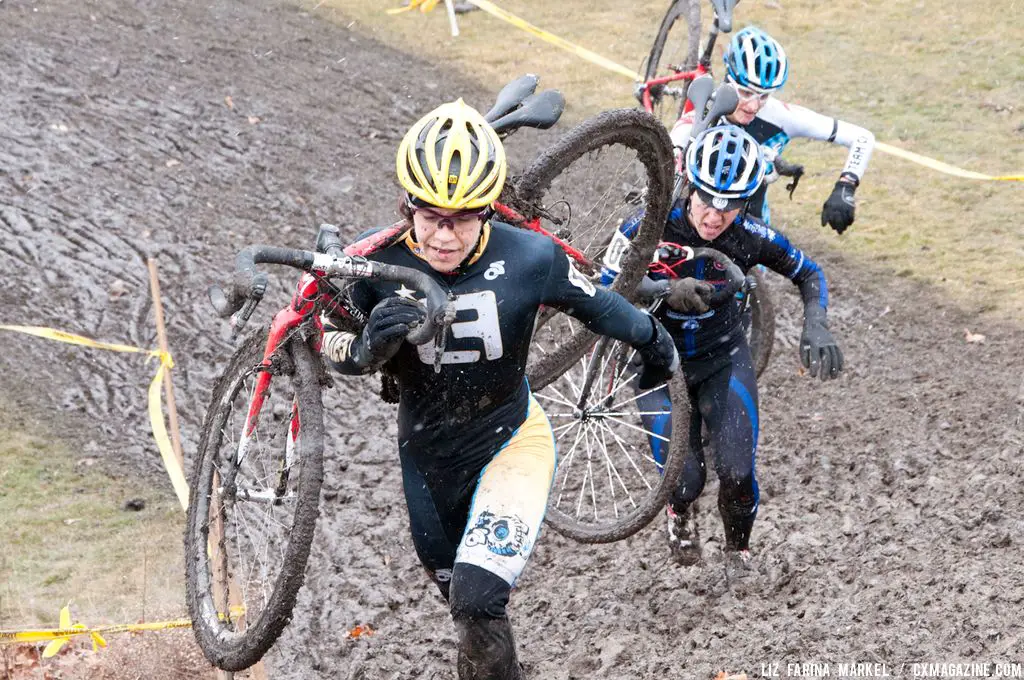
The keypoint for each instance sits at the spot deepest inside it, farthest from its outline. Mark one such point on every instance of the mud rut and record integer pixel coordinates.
(891, 518)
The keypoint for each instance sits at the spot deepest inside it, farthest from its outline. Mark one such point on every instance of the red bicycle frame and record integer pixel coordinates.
(664, 80)
(310, 293)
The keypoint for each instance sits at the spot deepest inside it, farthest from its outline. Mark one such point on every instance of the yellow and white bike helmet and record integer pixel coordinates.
(452, 158)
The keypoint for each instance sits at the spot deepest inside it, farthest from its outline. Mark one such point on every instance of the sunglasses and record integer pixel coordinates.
(748, 94)
(463, 219)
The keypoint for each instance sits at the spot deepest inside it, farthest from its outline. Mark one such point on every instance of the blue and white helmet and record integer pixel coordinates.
(725, 166)
(756, 61)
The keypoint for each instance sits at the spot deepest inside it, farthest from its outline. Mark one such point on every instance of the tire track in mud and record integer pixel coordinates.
(891, 500)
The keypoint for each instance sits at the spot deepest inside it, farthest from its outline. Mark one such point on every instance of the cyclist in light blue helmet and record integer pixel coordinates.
(758, 66)
(756, 61)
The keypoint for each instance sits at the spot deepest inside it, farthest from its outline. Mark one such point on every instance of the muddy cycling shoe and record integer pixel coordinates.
(487, 650)
(739, 567)
(683, 536)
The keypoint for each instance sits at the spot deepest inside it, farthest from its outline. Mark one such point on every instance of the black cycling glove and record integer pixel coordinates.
(390, 321)
(839, 208)
(659, 356)
(819, 352)
(689, 295)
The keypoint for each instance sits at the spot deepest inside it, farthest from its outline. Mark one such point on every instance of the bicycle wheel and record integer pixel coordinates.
(611, 168)
(260, 494)
(608, 485)
(675, 49)
(759, 320)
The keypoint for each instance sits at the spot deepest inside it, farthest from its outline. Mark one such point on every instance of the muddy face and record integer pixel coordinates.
(446, 236)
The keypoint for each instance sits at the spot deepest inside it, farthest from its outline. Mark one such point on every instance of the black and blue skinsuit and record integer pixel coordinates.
(718, 366)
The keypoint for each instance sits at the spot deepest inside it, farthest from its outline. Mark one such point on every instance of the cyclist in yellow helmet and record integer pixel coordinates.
(476, 450)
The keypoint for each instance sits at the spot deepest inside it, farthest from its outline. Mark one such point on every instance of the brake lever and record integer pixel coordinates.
(240, 318)
(441, 333)
(791, 187)
(257, 288)
(794, 170)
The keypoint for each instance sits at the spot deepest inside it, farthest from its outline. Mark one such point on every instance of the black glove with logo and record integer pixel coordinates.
(390, 321)
(659, 356)
(688, 295)
(819, 352)
(838, 209)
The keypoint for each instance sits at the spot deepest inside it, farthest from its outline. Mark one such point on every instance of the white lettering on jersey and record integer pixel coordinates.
(761, 230)
(577, 279)
(494, 270)
(484, 326)
(616, 249)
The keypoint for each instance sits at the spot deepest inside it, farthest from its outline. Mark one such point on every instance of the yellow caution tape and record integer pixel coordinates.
(163, 442)
(943, 167)
(58, 637)
(492, 9)
(424, 6)
(156, 418)
(582, 52)
(61, 336)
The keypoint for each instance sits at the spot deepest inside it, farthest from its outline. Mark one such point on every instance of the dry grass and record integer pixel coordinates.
(941, 78)
(67, 538)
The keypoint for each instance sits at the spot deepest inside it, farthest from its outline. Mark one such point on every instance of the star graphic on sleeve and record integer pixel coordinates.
(406, 293)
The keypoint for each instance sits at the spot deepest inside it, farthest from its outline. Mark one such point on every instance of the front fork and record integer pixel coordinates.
(291, 319)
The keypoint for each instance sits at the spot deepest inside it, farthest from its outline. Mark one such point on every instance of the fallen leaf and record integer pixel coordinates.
(230, 102)
(973, 337)
(359, 631)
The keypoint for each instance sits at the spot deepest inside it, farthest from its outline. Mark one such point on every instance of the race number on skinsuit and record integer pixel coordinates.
(484, 327)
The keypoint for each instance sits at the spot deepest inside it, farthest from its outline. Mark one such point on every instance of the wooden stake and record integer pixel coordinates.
(257, 672)
(161, 334)
(450, 6)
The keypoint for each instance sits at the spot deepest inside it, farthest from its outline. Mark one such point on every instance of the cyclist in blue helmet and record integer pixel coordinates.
(725, 169)
(757, 64)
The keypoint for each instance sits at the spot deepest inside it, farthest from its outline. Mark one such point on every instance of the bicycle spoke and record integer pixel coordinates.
(639, 429)
(625, 451)
(567, 466)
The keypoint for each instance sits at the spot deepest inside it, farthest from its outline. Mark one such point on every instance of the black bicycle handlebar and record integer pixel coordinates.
(650, 289)
(247, 283)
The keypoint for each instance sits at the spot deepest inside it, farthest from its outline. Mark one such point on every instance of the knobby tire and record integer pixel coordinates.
(641, 132)
(226, 648)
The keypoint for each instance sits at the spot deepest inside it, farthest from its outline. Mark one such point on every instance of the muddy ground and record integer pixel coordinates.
(892, 504)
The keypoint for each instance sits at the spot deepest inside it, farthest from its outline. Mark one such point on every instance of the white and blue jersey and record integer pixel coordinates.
(777, 123)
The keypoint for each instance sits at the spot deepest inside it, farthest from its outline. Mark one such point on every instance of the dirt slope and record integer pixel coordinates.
(891, 501)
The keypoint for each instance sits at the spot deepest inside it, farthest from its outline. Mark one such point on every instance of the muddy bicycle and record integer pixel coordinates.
(257, 476)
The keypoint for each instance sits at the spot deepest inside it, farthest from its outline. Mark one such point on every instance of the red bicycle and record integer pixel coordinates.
(673, 61)
(257, 475)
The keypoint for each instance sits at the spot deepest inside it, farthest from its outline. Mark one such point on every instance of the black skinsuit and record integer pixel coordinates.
(469, 435)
